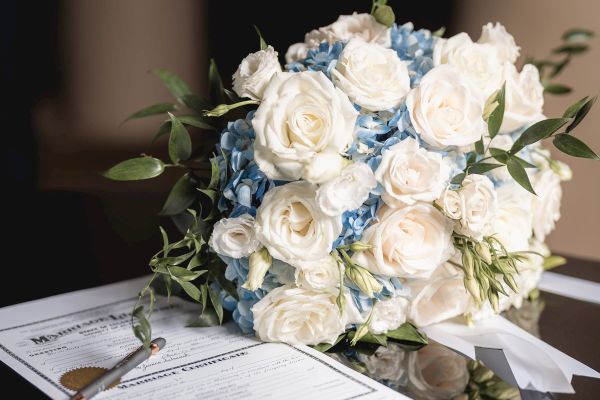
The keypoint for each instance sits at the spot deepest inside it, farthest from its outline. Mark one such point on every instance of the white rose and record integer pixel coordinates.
(436, 372)
(234, 237)
(407, 242)
(473, 205)
(503, 42)
(301, 115)
(446, 108)
(409, 174)
(318, 275)
(512, 224)
(546, 205)
(347, 191)
(291, 225)
(295, 52)
(300, 316)
(372, 76)
(524, 101)
(389, 362)
(362, 26)
(323, 167)
(478, 61)
(255, 72)
(388, 315)
(439, 298)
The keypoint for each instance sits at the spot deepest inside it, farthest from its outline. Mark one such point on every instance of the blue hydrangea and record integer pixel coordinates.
(323, 59)
(392, 287)
(415, 47)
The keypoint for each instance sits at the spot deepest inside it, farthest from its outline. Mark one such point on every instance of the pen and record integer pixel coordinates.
(121, 368)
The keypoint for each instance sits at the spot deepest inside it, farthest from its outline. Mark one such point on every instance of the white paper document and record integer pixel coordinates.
(43, 339)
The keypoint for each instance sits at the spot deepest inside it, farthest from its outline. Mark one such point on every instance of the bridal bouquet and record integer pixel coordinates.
(384, 179)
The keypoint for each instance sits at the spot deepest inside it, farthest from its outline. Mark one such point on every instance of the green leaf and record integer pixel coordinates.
(215, 299)
(496, 116)
(559, 66)
(481, 168)
(471, 158)
(212, 194)
(207, 319)
(174, 83)
(164, 128)
(574, 147)
(183, 274)
(195, 102)
(361, 331)
(538, 131)
(524, 163)
(439, 32)
(204, 296)
(142, 329)
(577, 34)
(215, 85)
(555, 88)
(154, 109)
(581, 113)
(516, 170)
(165, 239)
(458, 179)
(384, 15)
(574, 108)
(263, 44)
(191, 289)
(479, 146)
(553, 261)
(136, 169)
(196, 121)
(571, 49)
(323, 347)
(499, 154)
(370, 338)
(182, 195)
(407, 333)
(168, 285)
(180, 144)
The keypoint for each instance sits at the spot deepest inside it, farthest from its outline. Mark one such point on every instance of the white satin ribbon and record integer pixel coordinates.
(535, 364)
(568, 286)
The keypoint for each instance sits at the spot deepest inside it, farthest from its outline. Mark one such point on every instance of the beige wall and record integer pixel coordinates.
(537, 26)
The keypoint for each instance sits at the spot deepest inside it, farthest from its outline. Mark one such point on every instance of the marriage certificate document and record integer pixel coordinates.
(43, 339)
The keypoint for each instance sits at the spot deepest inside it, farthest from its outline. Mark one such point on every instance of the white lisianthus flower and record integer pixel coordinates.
(372, 76)
(323, 167)
(473, 205)
(478, 61)
(290, 224)
(512, 224)
(524, 101)
(408, 242)
(363, 27)
(446, 108)
(546, 205)
(389, 362)
(542, 158)
(438, 298)
(530, 272)
(234, 237)
(255, 72)
(347, 191)
(301, 316)
(318, 275)
(504, 43)
(302, 115)
(295, 52)
(388, 315)
(409, 174)
(437, 372)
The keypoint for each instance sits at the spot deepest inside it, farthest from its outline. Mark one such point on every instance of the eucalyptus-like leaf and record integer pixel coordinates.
(154, 109)
(204, 296)
(183, 274)
(323, 347)
(164, 128)
(499, 154)
(142, 329)
(572, 146)
(174, 83)
(263, 44)
(369, 337)
(516, 170)
(538, 131)
(495, 119)
(573, 109)
(458, 179)
(384, 15)
(581, 113)
(191, 289)
(215, 85)
(481, 168)
(407, 333)
(214, 174)
(182, 195)
(210, 193)
(180, 144)
(196, 121)
(136, 169)
(571, 49)
(195, 102)
(555, 88)
(361, 331)
(524, 163)
(215, 299)
(479, 148)
(207, 319)
(577, 34)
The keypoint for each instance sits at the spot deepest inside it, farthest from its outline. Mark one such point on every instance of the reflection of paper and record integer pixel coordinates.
(568, 286)
(534, 363)
(43, 339)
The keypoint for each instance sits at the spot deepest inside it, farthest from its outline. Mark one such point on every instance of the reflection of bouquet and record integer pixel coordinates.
(388, 176)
